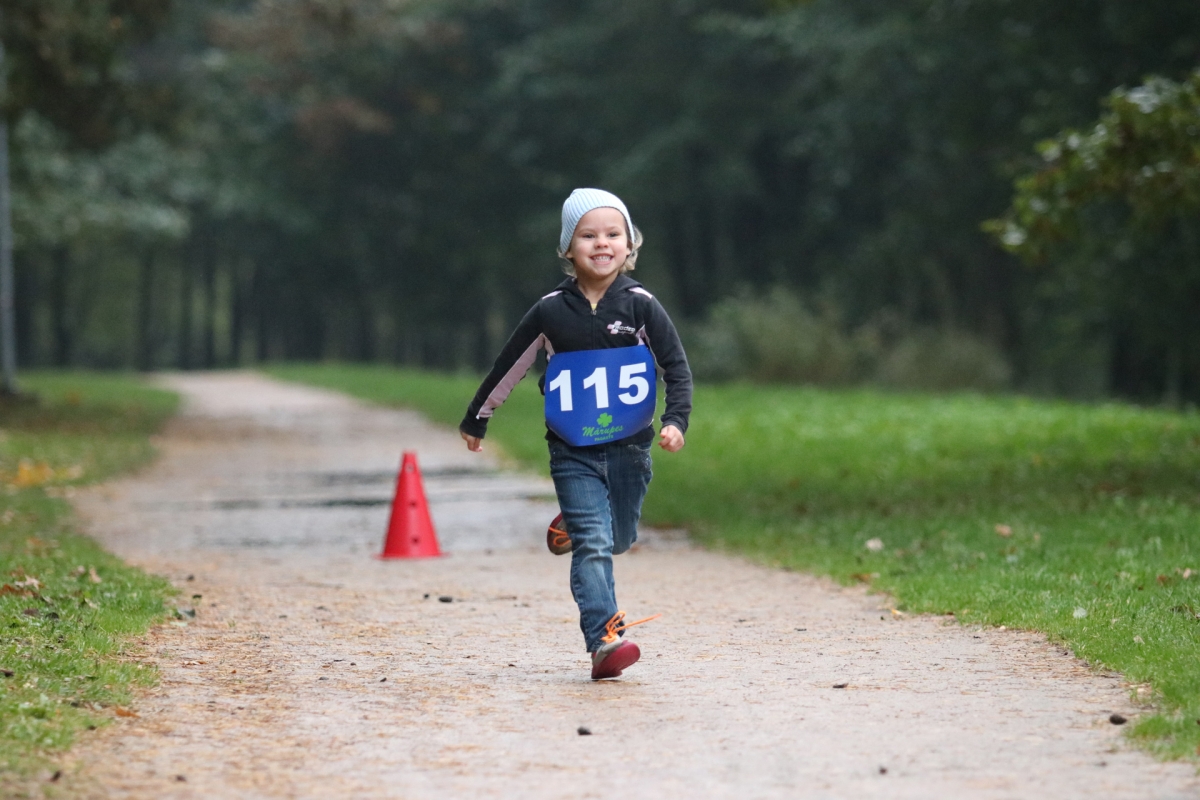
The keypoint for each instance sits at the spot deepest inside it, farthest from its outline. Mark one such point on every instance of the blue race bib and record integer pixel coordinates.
(597, 396)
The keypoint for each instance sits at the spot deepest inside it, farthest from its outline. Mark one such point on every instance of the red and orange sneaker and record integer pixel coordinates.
(558, 541)
(616, 654)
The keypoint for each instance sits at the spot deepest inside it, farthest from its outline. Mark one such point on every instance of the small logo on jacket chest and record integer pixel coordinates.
(619, 327)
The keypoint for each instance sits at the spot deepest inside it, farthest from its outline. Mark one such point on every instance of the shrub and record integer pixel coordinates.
(773, 338)
(944, 360)
(776, 337)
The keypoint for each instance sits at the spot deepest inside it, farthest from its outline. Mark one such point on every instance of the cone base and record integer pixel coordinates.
(386, 557)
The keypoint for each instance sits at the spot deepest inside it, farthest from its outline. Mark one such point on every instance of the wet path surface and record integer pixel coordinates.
(312, 669)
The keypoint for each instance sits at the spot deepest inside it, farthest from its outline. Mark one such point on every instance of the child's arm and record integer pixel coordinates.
(515, 359)
(664, 343)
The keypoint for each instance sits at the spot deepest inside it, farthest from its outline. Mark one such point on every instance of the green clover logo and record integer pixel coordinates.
(603, 420)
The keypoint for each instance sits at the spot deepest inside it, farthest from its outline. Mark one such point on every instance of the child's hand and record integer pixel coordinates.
(670, 439)
(474, 443)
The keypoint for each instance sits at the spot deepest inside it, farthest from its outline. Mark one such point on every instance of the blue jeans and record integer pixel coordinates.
(600, 491)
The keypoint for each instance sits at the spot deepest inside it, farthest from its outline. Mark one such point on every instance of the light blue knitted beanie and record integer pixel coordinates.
(581, 202)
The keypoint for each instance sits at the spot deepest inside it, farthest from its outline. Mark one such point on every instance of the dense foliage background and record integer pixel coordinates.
(218, 182)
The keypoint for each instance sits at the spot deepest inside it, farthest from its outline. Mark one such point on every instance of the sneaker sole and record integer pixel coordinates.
(617, 662)
(552, 534)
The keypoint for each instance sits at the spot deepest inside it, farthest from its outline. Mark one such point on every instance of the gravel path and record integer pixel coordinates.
(312, 669)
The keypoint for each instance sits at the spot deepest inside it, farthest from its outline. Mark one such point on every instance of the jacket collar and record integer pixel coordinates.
(622, 283)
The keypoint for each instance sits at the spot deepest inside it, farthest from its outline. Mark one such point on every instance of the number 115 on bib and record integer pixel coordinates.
(631, 378)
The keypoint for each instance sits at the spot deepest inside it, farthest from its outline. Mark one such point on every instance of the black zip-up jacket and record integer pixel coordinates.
(564, 321)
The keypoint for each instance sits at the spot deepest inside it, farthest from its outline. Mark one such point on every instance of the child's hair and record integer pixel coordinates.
(635, 244)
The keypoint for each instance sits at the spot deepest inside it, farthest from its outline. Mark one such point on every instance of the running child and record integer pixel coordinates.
(606, 338)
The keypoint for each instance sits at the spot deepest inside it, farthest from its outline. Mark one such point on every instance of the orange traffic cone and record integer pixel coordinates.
(410, 531)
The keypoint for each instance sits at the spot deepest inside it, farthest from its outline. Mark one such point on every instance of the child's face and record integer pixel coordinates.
(600, 244)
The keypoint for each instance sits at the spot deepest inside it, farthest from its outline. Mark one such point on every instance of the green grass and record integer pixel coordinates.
(68, 609)
(1103, 505)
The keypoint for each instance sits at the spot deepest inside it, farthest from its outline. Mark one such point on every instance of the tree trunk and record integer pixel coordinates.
(145, 344)
(8, 313)
(237, 310)
(684, 266)
(28, 292)
(365, 328)
(208, 266)
(185, 312)
(262, 312)
(1174, 380)
(59, 316)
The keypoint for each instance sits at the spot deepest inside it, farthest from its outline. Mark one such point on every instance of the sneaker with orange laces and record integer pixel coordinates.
(558, 541)
(616, 654)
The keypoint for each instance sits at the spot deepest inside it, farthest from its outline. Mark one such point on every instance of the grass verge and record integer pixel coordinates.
(1082, 522)
(67, 607)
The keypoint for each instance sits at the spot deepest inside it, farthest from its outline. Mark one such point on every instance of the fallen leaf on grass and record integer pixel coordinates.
(31, 474)
(39, 547)
(124, 712)
(92, 576)
(874, 545)
(1186, 610)
(1003, 530)
(9, 588)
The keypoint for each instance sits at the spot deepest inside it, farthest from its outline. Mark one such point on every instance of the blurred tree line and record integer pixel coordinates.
(226, 181)
(1112, 219)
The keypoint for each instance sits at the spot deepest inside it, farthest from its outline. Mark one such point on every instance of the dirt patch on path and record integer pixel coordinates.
(312, 669)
